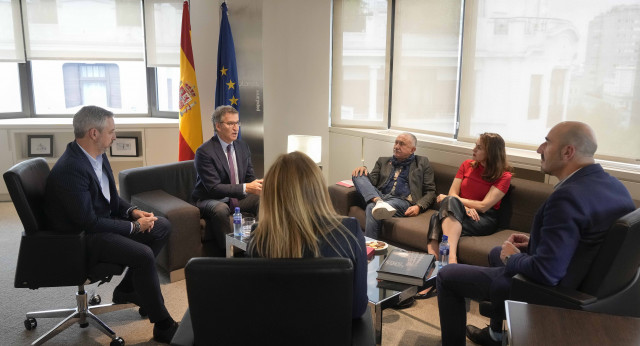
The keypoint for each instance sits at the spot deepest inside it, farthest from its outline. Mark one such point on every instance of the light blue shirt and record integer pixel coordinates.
(96, 164)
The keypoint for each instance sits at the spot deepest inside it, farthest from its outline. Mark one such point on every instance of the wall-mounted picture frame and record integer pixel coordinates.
(40, 145)
(125, 146)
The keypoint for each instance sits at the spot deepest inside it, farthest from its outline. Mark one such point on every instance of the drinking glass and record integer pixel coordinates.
(247, 222)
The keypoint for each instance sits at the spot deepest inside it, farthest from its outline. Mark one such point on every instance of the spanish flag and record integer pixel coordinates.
(190, 122)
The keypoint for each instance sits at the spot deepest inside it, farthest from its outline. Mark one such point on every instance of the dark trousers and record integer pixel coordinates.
(216, 214)
(455, 282)
(138, 252)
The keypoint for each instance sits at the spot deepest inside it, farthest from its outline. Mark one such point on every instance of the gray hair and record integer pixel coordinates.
(413, 138)
(89, 117)
(220, 111)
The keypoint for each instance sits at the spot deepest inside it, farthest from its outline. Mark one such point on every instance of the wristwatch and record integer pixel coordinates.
(136, 227)
(506, 259)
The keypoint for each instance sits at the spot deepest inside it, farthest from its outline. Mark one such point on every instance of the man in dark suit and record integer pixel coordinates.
(573, 221)
(225, 179)
(401, 185)
(81, 195)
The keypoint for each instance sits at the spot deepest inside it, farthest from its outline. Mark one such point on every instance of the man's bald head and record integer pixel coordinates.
(579, 135)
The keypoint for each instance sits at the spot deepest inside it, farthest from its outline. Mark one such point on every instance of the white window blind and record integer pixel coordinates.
(163, 26)
(11, 43)
(360, 66)
(84, 29)
(425, 65)
(528, 65)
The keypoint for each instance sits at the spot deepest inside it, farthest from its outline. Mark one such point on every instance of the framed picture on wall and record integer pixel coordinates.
(40, 145)
(125, 146)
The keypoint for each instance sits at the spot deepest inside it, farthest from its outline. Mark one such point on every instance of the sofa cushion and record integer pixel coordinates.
(526, 198)
(412, 232)
(475, 250)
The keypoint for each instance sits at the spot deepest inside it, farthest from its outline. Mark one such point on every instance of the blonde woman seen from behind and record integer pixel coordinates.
(297, 220)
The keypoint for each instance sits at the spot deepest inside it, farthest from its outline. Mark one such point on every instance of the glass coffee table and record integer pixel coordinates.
(235, 244)
(386, 294)
(381, 294)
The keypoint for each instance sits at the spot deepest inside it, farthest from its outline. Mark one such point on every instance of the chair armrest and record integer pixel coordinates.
(185, 239)
(184, 334)
(344, 198)
(523, 289)
(177, 178)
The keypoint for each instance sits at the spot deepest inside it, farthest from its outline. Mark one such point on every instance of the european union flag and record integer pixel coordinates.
(227, 92)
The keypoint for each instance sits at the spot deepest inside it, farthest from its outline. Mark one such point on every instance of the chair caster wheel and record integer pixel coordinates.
(142, 312)
(117, 342)
(30, 323)
(95, 300)
(84, 325)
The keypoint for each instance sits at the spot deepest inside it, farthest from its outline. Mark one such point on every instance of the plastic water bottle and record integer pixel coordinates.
(444, 251)
(237, 223)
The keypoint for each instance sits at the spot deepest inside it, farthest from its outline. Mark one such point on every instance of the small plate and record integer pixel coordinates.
(377, 245)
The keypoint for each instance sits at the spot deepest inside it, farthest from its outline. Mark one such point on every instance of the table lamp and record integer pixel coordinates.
(310, 145)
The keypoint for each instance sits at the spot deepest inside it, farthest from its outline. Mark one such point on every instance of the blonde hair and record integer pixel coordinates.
(295, 211)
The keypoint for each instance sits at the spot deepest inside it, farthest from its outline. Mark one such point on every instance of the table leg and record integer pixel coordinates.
(377, 322)
(229, 250)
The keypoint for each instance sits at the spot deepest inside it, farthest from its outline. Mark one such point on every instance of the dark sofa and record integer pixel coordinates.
(517, 211)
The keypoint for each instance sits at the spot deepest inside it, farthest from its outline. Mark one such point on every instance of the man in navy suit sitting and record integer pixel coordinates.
(81, 195)
(225, 178)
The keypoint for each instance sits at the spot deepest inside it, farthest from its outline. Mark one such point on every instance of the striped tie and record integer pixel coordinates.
(233, 202)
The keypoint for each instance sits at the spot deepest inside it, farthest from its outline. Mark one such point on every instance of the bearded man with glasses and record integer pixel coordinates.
(225, 179)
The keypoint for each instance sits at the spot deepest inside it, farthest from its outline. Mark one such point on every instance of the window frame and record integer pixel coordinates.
(25, 79)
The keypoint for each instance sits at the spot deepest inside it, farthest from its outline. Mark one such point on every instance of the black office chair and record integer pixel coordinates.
(612, 281)
(53, 259)
(252, 301)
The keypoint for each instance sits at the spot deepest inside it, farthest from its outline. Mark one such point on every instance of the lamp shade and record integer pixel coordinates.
(310, 145)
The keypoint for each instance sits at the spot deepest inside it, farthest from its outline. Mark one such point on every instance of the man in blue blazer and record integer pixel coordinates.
(225, 179)
(81, 195)
(573, 221)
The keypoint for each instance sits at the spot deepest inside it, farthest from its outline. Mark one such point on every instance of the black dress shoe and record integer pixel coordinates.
(165, 335)
(481, 336)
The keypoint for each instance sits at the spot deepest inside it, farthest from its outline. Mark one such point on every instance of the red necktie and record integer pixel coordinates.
(233, 202)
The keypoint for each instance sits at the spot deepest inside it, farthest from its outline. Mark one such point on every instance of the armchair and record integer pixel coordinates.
(166, 190)
(612, 283)
(50, 259)
(271, 301)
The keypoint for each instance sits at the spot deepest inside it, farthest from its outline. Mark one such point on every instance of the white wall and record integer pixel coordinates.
(205, 26)
(297, 56)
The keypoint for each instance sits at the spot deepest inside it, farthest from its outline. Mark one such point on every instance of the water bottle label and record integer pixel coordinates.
(444, 251)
